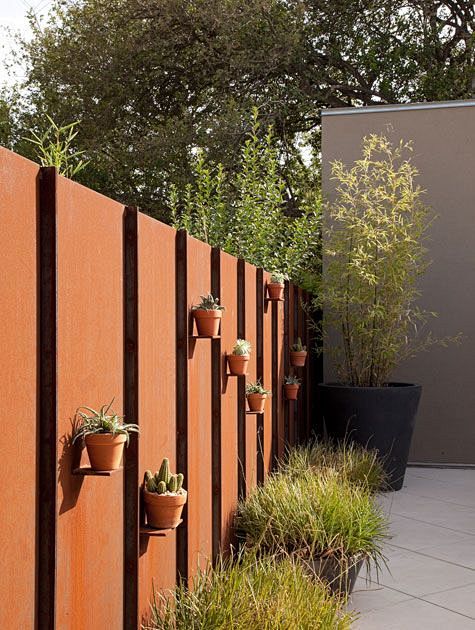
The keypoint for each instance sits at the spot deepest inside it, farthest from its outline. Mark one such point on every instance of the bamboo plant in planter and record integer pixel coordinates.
(291, 387)
(298, 354)
(275, 288)
(208, 315)
(328, 523)
(164, 497)
(374, 253)
(239, 359)
(105, 435)
(256, 396)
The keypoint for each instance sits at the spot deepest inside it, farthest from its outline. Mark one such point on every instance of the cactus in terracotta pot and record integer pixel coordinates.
(164, 497)
(239, 359)
(298, 354)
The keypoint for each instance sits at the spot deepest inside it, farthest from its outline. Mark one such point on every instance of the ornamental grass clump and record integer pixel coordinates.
(314, 516)
(262, 593)
(349, 460)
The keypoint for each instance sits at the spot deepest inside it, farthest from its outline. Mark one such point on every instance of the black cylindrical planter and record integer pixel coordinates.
(375, 417)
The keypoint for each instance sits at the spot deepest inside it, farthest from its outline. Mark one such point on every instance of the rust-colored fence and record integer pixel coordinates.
(95, 304)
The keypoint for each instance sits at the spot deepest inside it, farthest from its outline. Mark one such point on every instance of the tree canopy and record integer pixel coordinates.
(153, 79)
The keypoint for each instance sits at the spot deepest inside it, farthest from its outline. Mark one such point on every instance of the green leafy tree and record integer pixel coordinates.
(374, 252)
(151, 79)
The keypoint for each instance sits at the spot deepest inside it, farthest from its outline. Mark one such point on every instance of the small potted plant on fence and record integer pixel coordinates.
(105, 435)
(374, 254)
(256, 396)
(298, 354)
(239, 359)
(164, 497)
(291, 387)
(207, 315)
(275, 288)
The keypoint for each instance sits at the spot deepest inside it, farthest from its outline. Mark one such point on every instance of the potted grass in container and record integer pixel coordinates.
(291, 387)
(374, 254)
(239, 359)
(275, 288)
(298, 354)
(164, 497)
(256, 396)
(330, 525)
(105, 435)
(208, 315)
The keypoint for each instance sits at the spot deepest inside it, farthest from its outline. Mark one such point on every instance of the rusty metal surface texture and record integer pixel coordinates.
(199, 414)
(157, 408)
(102, 306)
(90, 372)
(18, 397)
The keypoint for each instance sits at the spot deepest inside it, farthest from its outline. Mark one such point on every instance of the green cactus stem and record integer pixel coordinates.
(164, 472)
(151, 485)
(179, 481)
(172, 484)
(162, 487)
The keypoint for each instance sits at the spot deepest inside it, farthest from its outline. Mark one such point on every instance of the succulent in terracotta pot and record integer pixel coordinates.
(105, 435)
(298, 354)
(239, 359)
(208, 315)
(256, 396)
(291, 387)
(275, 288)
(164, 497)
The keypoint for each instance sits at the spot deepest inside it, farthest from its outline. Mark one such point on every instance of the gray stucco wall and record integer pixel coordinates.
(444, 152)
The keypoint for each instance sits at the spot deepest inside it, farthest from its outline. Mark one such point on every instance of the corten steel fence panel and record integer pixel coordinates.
(259, 352)
(229, 389)
(267, 379)
(250, 426)
(18, 377)
(279, 388)
(199, 525)
(291, 339)
(157, 410)
(90, 372)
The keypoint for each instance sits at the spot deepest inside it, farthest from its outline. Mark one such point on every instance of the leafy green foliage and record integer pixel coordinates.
(313, 515)
(243, 212)
(242, 347)
(349, 460)
(374, 252)
(102, 422)
(208, 303)
(248, 592)
(256, 387)
(54, 147)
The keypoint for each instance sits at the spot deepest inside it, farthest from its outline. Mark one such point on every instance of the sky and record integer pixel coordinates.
(13, 19)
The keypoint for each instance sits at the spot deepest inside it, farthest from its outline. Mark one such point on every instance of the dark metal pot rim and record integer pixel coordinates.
(390, 385)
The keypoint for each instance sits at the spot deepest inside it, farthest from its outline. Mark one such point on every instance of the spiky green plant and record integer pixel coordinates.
(102, 422)
(163, 481)
(349, 460)
(313, 516)
(208, 303)
(54, 147)
(298, 346)
(256, 387)
(262, 593)
(242, 347)
(292, 380)
(278, 278)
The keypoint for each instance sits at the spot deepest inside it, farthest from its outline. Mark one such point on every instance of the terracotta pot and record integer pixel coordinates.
(298, 358)
(207, 322)
(275, 290)
(291, 391)
(256, 402)
(238, 364)
(105, 450)
(164, 510)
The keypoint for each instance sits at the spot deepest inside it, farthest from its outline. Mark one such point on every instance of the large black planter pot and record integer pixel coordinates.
(375, 417)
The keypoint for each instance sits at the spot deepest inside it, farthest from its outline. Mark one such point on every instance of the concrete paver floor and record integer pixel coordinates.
(430, 580)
